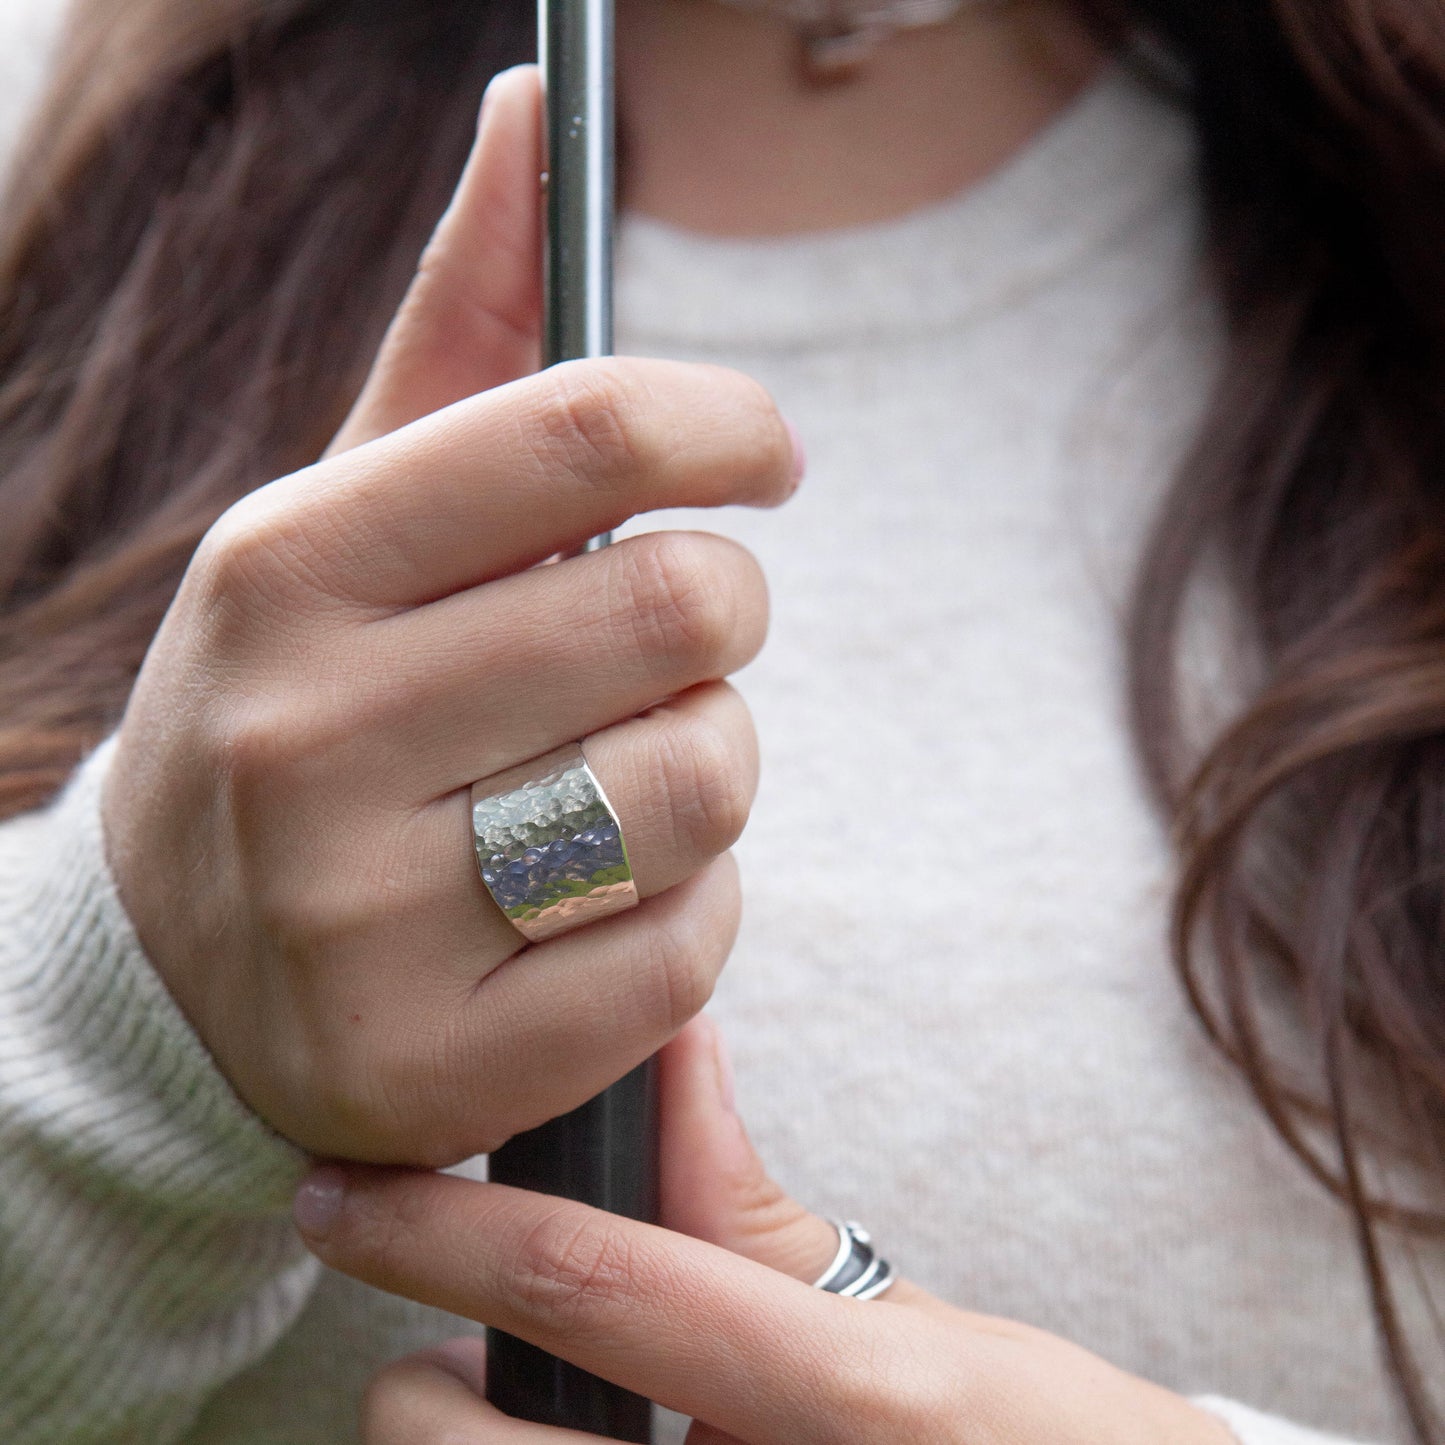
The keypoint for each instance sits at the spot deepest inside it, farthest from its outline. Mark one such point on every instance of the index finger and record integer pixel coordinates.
(502, 480)
(694, 1327)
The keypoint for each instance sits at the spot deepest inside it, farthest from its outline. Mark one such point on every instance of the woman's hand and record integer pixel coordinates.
(712, 1325)
(352, 646)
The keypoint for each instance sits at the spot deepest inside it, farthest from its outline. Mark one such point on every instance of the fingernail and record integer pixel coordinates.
(318, 1201)
(800, 452)
(726, 1079)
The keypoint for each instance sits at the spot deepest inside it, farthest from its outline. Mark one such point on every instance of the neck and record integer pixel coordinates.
(724, 134)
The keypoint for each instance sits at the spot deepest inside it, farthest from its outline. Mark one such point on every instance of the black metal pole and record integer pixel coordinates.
(605, 1153)
(596, 1154)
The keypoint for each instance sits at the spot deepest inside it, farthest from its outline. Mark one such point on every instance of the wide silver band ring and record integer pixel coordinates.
(549, 846)
(858, 1270)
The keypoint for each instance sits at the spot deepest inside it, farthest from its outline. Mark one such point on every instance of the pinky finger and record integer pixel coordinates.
(433, 1399)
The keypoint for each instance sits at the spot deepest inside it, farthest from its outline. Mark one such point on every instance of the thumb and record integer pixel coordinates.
(714, 1186)
(471, 318)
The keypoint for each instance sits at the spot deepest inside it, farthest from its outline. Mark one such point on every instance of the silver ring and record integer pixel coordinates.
(549, 846)
(858, 1270)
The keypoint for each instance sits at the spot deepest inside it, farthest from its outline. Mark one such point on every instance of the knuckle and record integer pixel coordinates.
(297, 726)
(304, 876)
(709, 785)
(573, 1270)
(255, 742)
(281, 552)
(234, 552)
(595, 419)
(253, 554)
(679, 967)
(678, 607)
(272, 753)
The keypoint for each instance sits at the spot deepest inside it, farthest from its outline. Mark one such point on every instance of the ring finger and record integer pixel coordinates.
(680, 778)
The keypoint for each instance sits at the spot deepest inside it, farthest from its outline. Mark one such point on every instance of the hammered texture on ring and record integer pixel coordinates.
(550, 847)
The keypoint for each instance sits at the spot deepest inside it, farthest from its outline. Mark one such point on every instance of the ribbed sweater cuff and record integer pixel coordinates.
(99, 1068)
(1252, 1428)
(145, 1249)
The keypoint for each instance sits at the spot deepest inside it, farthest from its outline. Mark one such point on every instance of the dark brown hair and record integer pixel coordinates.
(221, 204)
(1311, 826)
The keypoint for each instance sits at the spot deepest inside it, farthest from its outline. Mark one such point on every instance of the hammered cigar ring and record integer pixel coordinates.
(549, 846)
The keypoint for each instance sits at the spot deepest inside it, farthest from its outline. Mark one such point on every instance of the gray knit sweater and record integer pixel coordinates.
(951, 1006)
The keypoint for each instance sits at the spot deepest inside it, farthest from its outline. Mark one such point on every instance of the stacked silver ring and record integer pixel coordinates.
(858, 1270)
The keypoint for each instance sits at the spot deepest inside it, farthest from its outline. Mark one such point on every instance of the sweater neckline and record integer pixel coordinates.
(1112, 156)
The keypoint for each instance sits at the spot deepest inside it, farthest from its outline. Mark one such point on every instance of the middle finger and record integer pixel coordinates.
(506, 672)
